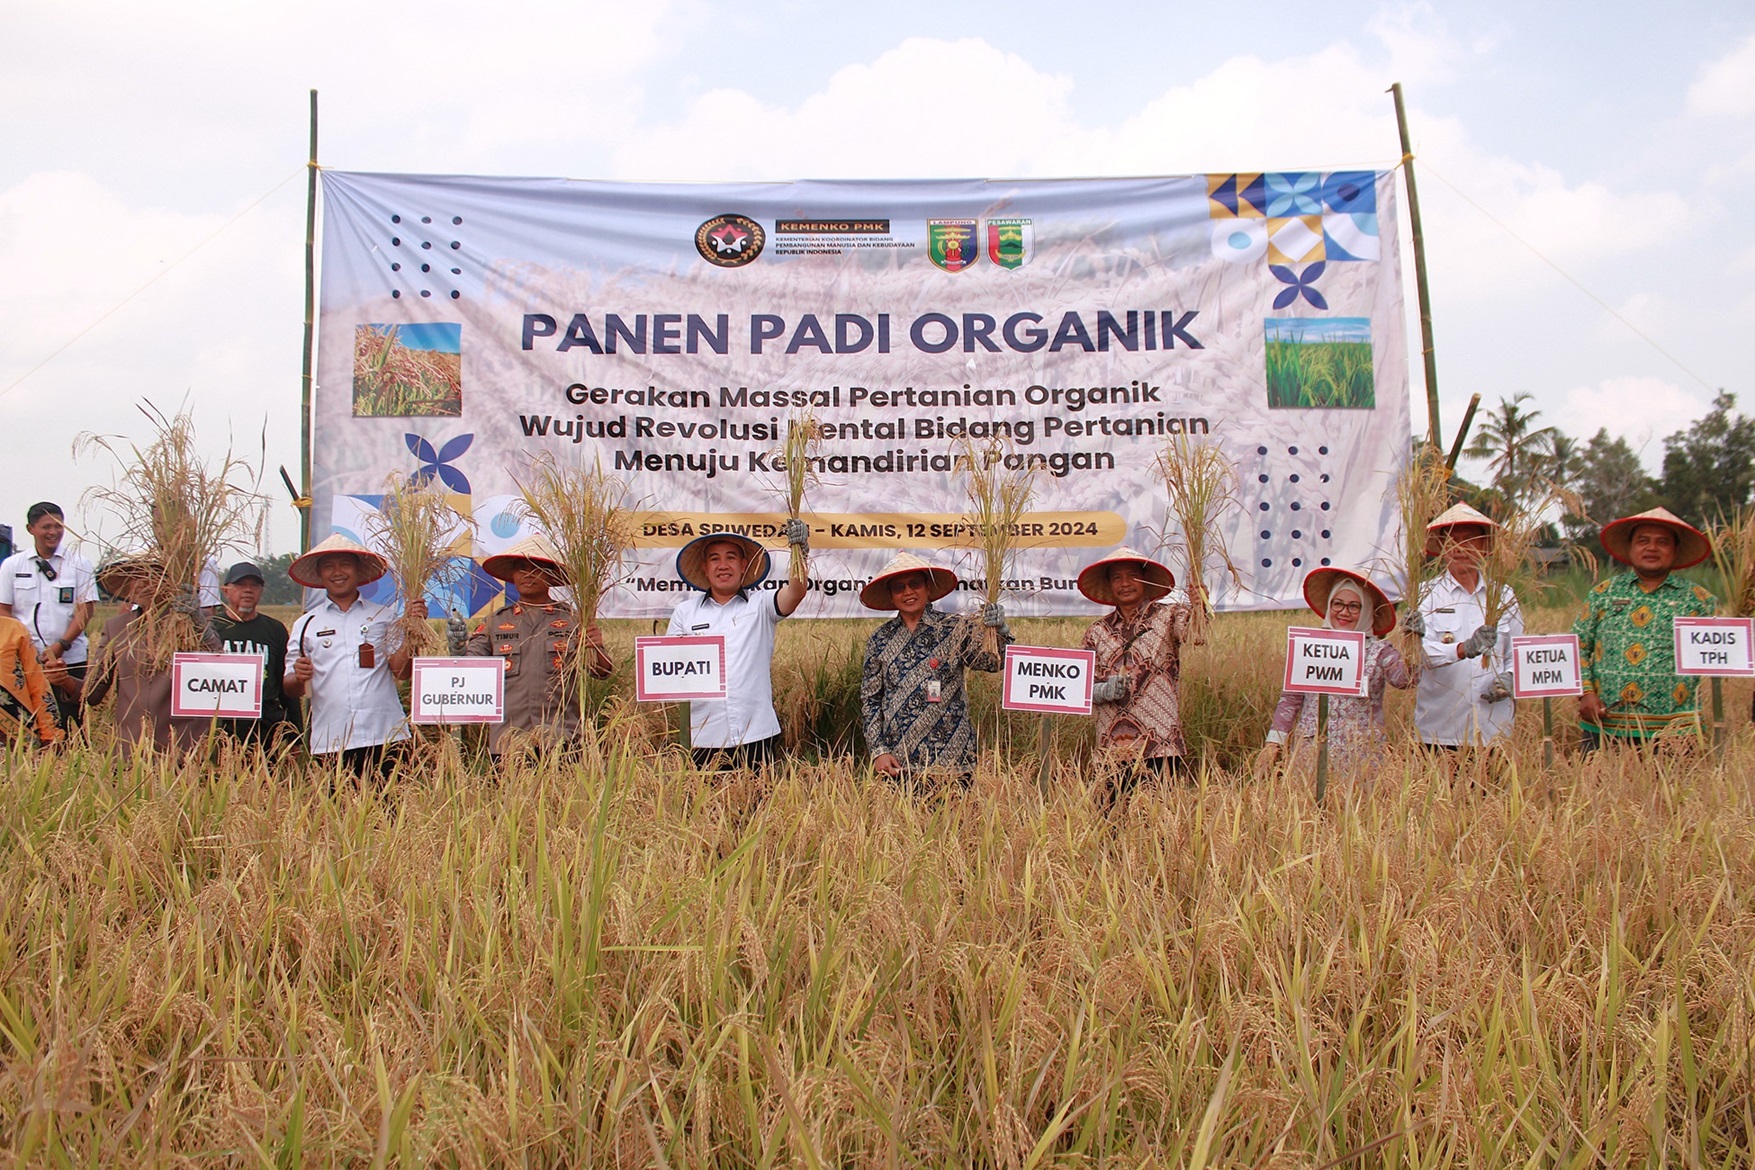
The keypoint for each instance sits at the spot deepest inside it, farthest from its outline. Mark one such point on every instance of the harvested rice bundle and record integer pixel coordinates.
(999, 496)
(186, 513)
(1733, 552)
(802, 440)
(415, 529)
(1422, 491)
(1510, 570)
(584, 513)
(1200, 485)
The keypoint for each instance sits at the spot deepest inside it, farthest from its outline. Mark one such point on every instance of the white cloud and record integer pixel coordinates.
(1643, 409)
(1726, 87)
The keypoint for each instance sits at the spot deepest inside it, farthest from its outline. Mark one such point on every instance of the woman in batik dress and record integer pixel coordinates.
(1356, 738)
(1136, 701)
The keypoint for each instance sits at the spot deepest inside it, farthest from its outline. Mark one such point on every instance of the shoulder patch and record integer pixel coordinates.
(559, 624)
(508, 625)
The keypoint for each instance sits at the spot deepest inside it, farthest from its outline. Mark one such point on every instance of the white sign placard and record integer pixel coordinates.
(1325, 662)
(1545, 666)
(1721, 646)
(225, 685)
(674, 670)
(1049, 679)
(457, 690)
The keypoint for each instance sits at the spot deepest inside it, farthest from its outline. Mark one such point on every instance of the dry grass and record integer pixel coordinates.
(1733, 553)
(1422, 493)
(633, 966)
(1510, 569)
(998, 497)
(168, 501)
(802, 441)
(584, 513)
(1200, 486)
(415, 528)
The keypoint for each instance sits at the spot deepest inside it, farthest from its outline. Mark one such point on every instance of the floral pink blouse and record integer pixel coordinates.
(1355, 726)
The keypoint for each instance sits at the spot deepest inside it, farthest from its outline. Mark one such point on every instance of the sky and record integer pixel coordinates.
(1579, 168)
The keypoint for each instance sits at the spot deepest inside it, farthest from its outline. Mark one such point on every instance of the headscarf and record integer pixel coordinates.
(1346, 586)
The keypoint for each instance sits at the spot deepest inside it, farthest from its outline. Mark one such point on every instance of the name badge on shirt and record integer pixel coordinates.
(934, 691)
(64, 595)
(701, 626)
(1446, 609)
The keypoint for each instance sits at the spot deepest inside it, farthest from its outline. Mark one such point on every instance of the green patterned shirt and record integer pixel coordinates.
(1626, 639)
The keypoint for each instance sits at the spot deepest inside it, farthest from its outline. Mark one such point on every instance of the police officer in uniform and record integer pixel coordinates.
(538, 636)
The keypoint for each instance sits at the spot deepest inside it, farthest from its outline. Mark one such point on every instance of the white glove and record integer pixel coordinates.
(1110, 690)
(993, 614)
(1498, 689)
(1481, 641)
(797, 534)
(1413, 623)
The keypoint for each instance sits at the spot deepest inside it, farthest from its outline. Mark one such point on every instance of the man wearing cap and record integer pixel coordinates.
(242, 628)
(339, 651)
(1464, 696)
(129, 666)
(911, 694)
(538, 636)
(1136, 698)
(53, 593)
(741, 730)
(1626, 639)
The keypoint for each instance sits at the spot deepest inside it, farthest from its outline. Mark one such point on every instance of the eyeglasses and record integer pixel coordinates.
(45, 568)
(1347, 607)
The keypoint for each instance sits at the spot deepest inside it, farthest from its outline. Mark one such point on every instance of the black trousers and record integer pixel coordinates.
(755, 756)
(377, 760)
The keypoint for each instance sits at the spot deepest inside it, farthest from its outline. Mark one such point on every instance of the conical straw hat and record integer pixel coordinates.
(1692, 545)
(939, 582)
(1319, 587)
(115, 572)
(535, 549)
(1451, 517)
(1094, 577)
(691, 562)
(304, 569)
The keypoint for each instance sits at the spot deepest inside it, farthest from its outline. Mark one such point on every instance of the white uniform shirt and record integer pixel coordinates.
(747, 623)
(351, 706)
(1448, 707)
(44, 606)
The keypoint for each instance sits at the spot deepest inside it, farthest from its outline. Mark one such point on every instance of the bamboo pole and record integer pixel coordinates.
(1547, 733)
(304, 501)
(1718, 715)
(1434, 431)
(1462, 432)
(1321, 747)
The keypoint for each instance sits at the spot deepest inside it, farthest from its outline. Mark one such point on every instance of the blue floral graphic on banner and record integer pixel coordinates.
(439, 462)
(1293, 194)
(1301, 285)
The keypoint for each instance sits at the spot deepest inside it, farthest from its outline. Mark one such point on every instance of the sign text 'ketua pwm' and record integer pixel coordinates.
(1325, 662)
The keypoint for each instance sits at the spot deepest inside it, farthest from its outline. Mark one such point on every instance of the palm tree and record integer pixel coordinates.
(1517, 451)
(1563, 461)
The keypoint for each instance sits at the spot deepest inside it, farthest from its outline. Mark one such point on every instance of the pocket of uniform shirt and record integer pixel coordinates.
(511, 657)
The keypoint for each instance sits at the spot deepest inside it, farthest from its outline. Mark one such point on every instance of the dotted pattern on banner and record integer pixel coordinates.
(420, 252)
(1292, 505)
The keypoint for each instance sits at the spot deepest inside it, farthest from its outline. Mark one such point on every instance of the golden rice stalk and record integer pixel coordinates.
(415, 528)
(187, 512)
(1733, 552)
(584, 513)
(1200, 486)
(1510, 569)
(999, 496)
(802, 440)
(1422, 491)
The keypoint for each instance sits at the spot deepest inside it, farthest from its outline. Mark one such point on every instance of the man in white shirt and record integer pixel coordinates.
(340, 652)
(742, 730)
(53, 593)
(1464, 698)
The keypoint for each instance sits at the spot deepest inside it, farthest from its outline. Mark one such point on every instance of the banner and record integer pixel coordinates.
(672, 333)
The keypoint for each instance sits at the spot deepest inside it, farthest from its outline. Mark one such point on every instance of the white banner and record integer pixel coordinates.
(1325, 662)
(457, 690)
(228, 686)
(672, 333)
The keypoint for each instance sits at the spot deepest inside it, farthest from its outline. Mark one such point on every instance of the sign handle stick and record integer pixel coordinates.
(1547, 732)
(1321, 747)
(1718, 716)
(1044, 742)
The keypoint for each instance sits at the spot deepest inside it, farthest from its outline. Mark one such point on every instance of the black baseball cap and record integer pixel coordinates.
(39, 510)
(243, 571)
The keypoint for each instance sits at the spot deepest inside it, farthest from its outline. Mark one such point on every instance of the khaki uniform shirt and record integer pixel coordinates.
(143, 695)
(538, 643)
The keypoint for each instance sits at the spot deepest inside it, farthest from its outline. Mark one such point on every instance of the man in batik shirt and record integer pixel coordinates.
(1136, 700)
(911, 692)
(27, 705)
(1632, 692)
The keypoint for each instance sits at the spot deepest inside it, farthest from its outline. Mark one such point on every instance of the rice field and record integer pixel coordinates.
(1327, 374)
(392, 380)
(624, 963)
